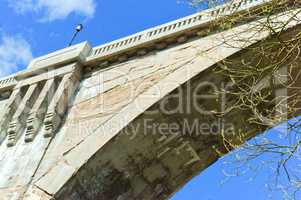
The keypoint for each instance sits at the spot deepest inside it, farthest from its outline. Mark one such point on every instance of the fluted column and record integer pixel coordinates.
(39, 110)
(8, 112)
(18, 122)
(59, 103)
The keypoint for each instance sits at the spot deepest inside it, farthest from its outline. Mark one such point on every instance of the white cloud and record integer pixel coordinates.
(14, 52)
(54, 9)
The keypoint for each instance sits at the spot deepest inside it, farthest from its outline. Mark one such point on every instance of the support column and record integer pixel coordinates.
(59, 102)
(10, 108)
(39, 110)
(18, 122)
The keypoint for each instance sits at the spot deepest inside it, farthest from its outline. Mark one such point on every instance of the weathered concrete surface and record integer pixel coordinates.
(161, 149)
(109, 142)
(76, 53)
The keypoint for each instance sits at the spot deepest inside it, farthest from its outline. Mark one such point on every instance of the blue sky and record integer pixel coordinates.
(41, 26)
(31, 28)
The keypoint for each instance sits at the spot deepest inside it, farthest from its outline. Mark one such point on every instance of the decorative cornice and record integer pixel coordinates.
(67, 55)
(52, 64)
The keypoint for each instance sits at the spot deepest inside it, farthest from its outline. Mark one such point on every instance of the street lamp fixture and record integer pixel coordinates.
(78, 29)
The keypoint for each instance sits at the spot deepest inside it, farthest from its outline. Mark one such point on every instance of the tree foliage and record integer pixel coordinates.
(266, 83)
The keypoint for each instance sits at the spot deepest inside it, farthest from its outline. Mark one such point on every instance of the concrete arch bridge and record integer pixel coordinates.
(138, 117)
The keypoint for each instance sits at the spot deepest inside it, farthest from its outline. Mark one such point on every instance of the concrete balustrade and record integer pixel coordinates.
(181, 25)
(7, 83)
(85, 55)
(55, 69)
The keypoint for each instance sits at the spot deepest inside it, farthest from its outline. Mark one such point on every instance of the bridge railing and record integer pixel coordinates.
(153, 35)
(174, 27)
(8, 82)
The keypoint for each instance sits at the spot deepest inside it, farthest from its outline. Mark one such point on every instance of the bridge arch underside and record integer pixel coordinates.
(171, 142)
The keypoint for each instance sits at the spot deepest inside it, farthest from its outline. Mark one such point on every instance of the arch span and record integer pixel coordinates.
(135, 129)
(165, 133)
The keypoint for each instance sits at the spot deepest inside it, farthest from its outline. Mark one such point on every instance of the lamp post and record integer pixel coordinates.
(78, 29)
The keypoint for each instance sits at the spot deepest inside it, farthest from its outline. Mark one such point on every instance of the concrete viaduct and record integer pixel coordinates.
(133, 118)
